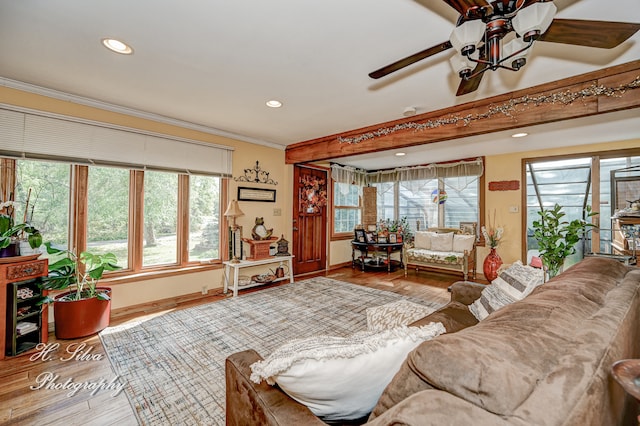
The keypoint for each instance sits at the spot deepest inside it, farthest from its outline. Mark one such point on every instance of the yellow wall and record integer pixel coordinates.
(245, 156)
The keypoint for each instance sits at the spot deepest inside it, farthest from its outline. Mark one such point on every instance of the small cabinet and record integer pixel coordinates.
(24, 322)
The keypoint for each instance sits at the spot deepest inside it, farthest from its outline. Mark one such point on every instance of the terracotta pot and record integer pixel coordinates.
(80, 318)
(492, 263)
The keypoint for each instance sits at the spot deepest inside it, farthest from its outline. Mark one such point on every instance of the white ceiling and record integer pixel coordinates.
(215, 63)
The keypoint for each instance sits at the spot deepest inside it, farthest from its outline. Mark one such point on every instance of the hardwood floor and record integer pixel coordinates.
(22, 405)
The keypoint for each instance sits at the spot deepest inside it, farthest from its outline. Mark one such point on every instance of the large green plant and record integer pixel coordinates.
(79, 273)
(557, 238)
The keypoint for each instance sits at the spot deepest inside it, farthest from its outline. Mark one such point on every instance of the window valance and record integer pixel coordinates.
(31, 134)
(346, 174)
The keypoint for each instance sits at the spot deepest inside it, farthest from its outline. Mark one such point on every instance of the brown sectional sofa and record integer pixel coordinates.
(544, 360)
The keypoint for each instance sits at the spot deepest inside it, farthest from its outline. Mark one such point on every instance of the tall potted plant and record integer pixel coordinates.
(557, 238)
(85, 308)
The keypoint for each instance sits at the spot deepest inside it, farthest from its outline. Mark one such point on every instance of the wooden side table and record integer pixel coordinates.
(228, 266)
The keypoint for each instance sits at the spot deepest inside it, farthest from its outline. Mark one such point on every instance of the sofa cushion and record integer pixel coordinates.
(442, 242)
(422, 239)
(333, 375)
(462, 243)
(395, 314)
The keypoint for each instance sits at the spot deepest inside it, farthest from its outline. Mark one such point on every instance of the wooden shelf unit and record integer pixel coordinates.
(16, 278)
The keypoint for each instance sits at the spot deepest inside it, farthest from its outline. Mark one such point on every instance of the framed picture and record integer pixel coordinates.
(382, 240)
(371, 237)
(372, 228)
(359, 235)
(469, 228)
(393, 238)
(256, 194)
(398, 238)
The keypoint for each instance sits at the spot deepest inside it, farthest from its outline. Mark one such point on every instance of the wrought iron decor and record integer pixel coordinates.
(256, 175)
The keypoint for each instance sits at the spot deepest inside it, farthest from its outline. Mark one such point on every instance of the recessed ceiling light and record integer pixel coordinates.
(274, 104)
(400, 154)
(117, 46)
(519, 135)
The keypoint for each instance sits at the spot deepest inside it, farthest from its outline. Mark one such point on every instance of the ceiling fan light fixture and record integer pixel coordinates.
(516, 51)
(464, 38)
(534, 20)
(463, 65)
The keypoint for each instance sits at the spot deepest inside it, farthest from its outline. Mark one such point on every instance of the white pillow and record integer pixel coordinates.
(514, 283)
(490, 300)
(341, 378)
(462, 243)
(422, 240)
(519, 280)
(442, 242)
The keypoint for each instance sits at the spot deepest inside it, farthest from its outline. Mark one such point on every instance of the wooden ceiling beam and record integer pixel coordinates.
(509, 111)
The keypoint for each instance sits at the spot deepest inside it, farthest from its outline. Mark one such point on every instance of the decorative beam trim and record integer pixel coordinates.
(607, 90)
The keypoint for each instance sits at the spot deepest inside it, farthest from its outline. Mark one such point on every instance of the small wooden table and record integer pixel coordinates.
(228, 265)
(364, 249)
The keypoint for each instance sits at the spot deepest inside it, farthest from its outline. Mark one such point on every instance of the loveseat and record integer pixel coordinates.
(543, 360)
(448, 249)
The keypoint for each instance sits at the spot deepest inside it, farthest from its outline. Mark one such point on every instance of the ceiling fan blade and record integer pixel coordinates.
(602, 34)
(472, 84)
(471, 8)
(412, 59)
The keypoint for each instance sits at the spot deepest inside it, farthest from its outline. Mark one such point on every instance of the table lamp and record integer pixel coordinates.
(233, 211)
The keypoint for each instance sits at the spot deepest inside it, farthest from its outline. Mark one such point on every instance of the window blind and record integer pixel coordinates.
(30, 135)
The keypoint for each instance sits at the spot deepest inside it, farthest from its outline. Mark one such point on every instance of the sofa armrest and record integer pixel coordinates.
(466, 292)
(259, 404)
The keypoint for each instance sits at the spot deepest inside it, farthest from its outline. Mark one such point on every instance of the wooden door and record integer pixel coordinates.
(309, 220)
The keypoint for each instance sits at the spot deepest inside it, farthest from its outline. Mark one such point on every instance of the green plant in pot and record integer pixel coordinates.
(557, 238)
(85, 308)
(11, 234)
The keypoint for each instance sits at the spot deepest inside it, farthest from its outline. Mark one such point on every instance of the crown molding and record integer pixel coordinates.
(56, 94)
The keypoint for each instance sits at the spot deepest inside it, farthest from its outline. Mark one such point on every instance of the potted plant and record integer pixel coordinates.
(557, 238)
(85, 308)
(11, 234)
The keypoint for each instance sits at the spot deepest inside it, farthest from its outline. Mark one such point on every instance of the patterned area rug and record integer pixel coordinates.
(173, 364)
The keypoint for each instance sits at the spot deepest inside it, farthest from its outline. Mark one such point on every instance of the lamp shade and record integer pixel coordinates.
(233, 209)
(461, 64)
(465, 37)
(535, 18)
(519, 59)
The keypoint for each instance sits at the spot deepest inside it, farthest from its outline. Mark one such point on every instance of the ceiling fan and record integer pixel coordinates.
(482, 26)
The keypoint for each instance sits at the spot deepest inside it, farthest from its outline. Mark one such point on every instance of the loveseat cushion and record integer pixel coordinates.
(500, 362)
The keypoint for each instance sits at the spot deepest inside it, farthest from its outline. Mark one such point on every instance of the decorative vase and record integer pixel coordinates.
(492, 263)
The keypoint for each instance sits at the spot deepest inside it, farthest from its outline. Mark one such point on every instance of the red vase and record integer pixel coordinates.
(492, 263)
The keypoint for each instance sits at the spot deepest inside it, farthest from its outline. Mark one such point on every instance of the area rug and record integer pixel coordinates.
(172, 365)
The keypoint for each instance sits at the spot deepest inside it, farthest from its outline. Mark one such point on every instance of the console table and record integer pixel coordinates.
(365, 248)
(229, 265)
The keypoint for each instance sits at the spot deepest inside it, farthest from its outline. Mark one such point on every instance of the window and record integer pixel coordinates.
(569, 183)
(151, 220)
(47, 186)
(160, 218)
(346, 202)
(204, 218)
(108, 212)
